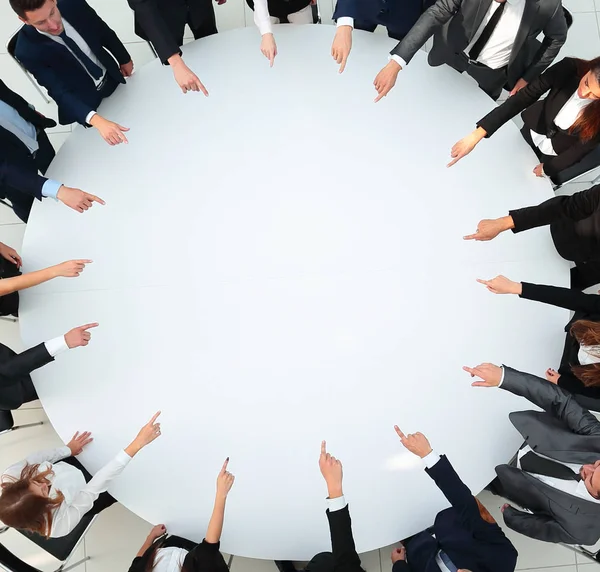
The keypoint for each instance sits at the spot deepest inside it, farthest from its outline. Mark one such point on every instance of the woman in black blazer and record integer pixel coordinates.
(562, 128)
(579, 371)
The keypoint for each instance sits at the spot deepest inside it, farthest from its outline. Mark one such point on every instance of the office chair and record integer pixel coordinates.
(590, 162)
(7, 424)
(11, 46)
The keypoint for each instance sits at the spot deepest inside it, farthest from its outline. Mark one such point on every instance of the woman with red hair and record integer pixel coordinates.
(562, 128)
(49, 492)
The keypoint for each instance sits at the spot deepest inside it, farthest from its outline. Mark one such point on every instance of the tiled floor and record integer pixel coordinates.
(117, 535)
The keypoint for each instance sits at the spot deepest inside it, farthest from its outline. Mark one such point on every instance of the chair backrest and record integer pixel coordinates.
(13, 564)
(11, 45)
(7, 420)
(590, 162)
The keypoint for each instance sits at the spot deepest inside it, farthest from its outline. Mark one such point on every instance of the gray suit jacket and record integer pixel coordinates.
(454, 23)
(563, 431)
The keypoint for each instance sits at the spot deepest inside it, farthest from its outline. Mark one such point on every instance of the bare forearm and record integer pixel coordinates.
(147, 544)
(215, 526)
(28, 280)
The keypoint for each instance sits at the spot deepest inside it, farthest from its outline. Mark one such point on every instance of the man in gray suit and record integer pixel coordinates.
(494, 41)
(556, 474)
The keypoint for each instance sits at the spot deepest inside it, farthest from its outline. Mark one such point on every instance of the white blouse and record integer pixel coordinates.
(262, 18)
(564, 119)
(169, 559)
(79, 495)
(588, 355)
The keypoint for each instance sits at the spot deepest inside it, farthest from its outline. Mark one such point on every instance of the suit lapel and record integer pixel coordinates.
(529, 16)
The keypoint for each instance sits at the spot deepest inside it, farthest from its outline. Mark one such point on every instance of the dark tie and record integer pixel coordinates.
(94, 70)
(487, 32)
(447, 562)
(533, 463)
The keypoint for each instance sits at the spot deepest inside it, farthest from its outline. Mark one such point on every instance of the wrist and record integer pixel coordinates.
(96, 120)
(175, 61)
(134, 448)
(394, 65)
(507, 222)
(334, 491)
(423, 455)
(518, 289)
(480, 133)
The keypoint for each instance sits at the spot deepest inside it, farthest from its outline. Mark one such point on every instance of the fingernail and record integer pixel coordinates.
(227, 459)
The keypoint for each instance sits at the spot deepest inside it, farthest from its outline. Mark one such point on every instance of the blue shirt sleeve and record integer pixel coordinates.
(50, 189)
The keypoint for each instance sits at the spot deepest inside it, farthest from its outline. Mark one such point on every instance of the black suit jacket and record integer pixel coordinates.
(57, 69)
(469, 541)
(574, 223)
(345, 557)
(454, 23)
(16, 386)
(17, 167)
(561, 80)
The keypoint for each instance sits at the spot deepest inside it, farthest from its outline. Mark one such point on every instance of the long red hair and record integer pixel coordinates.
(587, 333)
(22, 509)
(587, 124)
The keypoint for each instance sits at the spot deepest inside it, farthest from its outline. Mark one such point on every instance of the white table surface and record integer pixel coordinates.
(282, 263)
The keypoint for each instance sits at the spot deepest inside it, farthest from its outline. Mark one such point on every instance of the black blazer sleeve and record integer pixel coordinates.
(401, 566)
(432, 19)
(22, 180)
(576, 207)
(345, 557)
(14, 367)
(526, 96)
(137, 565)
(345, 9)
(555, 35)
(562, 297)
(150, 19)
(567, 158)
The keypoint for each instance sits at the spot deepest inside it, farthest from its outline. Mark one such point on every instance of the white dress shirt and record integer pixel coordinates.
(85, 48)
(56, 346)
(345, 21)
(496, 53)
(588, 355)
(169, 559)
(79, 495)
(262, 18)
(564, 120)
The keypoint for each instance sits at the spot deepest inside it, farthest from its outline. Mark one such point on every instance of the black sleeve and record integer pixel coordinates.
(576, 207)
(345, 557)
(136, 565)
(24, 181)
(562, 297)
(527, 96)
(151, 21)
(401, 566)
(205, 556)
(19, 365)
(568, 158)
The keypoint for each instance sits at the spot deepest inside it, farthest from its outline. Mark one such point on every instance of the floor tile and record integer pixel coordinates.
(240, 564)
(583, 40)
(141, 54)
(576, 6)
(371, 561)
(57, 139)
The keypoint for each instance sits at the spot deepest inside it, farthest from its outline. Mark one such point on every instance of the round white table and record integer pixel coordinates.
(280, 263)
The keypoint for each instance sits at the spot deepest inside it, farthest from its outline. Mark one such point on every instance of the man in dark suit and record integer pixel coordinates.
(494, 41)
(574, 224)
(464, 536)
(162, 22)
(556, 475)
(398, 16)
(69, 50)
(16, 386)
(25, 150)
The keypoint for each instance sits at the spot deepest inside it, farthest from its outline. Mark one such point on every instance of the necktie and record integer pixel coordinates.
(447, 562)
(533, 463)
(94, 70)
(487, 32)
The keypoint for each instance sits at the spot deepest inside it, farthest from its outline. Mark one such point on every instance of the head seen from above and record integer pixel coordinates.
(26, 504)
(43, 15)
(590, 475)
(587, 124)
(587, 333)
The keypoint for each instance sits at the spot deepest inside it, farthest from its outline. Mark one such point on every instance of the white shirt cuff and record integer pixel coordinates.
(122, 457)
(65, 452)
(502, 378)
(431, 459)
(336, 504)
(398, 60)
(56, 346)
(345, 21)
(89, 116)
(265, 27)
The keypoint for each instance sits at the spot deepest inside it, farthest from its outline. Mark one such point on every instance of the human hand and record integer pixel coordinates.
(111, 132)
(268, 47)
(186, 78)
(466, 145)
(488, 229)
(10, 254)
(127, 69)
(70, 268)
(220, 2)
(398, 554)
(502, 285)
(78, 442)
(47, 123)
(538, 171)
(147, 434)
(552, 376)
(342, 44)
(518, 87)
(156, 532)
(79, 336)
(225, 481)
(332, 471)
(504, 507)
(490, 374)
(386, 79)
(416, 443)
(77, 199)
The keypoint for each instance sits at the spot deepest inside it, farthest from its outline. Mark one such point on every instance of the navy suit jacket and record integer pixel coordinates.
(469, 541)
(55, 67)
(396, 15)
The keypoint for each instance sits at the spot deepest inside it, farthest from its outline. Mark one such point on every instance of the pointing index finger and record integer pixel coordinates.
(400, 434)
(89, 326)
(323, 447)
(224, 467)
(154, 417)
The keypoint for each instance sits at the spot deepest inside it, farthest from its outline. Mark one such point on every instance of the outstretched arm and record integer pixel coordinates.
(215, 526)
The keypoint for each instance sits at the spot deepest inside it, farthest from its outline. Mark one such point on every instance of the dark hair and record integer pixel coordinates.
(588, 122)
(150, 556)
(587, 333)
(23, 6)
(20, 508)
